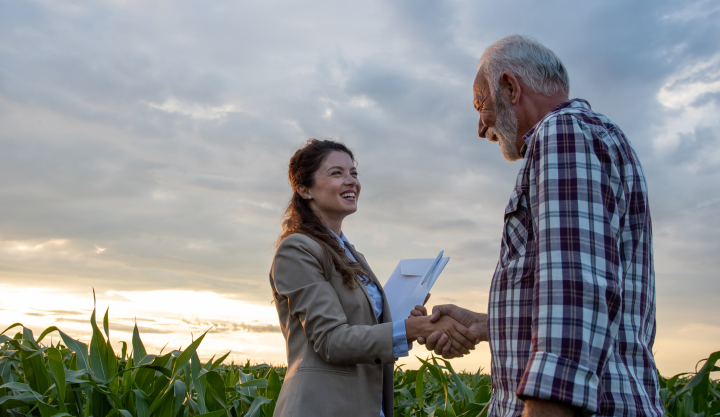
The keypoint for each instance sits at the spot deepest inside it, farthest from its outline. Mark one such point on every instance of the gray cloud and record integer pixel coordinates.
(144, 146)
(706, 99)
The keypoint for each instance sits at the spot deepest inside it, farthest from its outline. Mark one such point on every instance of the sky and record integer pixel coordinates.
(144, 149)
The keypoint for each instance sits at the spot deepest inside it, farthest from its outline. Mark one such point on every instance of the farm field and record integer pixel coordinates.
(70, 378)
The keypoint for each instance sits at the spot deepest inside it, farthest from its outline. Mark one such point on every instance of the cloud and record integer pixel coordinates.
(65, 312)
(142, 153)
(221, 326)
(194, 110)
(122, 327)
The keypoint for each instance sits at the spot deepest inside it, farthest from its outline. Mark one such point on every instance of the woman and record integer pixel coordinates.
(341, 341)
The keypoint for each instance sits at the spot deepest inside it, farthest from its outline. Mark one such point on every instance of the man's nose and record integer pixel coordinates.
(482, 129)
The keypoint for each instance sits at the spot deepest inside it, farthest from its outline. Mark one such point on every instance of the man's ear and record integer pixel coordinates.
(511, 87)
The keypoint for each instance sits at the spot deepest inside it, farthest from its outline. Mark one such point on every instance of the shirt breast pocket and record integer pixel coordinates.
(518, 226)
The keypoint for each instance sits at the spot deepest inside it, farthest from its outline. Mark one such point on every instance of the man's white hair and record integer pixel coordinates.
(539, 68)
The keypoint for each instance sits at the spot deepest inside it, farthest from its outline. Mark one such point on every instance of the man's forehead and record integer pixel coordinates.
(480, 85)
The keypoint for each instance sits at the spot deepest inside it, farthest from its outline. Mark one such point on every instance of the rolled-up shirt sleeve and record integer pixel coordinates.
(401, 347)
(577, 292)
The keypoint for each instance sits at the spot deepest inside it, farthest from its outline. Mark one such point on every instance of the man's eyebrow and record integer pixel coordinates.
(478, 102)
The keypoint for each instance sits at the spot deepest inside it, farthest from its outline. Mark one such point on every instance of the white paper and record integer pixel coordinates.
(404, 289)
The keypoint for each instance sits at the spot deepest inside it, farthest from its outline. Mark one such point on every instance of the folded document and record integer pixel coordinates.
(410, 283)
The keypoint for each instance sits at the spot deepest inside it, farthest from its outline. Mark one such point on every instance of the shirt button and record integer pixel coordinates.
(378, 361)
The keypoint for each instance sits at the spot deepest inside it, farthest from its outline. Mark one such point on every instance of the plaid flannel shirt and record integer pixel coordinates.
(571, 315)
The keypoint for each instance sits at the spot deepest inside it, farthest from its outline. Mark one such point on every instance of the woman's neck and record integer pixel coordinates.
(333, 224)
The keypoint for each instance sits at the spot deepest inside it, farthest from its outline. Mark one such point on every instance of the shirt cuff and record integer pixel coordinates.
(399, 337)
(551, 377)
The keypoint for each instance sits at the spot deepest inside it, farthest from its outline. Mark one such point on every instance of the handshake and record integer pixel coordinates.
(450, 331)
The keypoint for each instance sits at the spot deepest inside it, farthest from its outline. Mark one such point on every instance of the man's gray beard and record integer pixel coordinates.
(506, 129)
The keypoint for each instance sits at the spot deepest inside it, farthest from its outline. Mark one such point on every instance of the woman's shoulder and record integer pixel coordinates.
(299, 242)
(298, 260)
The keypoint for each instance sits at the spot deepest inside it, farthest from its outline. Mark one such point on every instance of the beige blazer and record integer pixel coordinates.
(340, 360)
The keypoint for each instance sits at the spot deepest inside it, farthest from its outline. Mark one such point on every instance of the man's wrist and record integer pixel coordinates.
(480, 321)
(535, 407)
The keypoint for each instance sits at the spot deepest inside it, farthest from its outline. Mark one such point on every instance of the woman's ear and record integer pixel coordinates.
(303, 192)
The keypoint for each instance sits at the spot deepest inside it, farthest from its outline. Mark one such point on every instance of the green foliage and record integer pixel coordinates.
(437, 390)
(71, 378)
(693, 394)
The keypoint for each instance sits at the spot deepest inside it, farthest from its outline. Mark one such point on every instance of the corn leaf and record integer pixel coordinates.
(36, 374)
(139, 351)
(48, 411)
(80, 349)
(198, 384)
(273, 387)
(98, 352)
(184, 357)
(213, 414)
(254, 410)
(58, 373)
(46, 332)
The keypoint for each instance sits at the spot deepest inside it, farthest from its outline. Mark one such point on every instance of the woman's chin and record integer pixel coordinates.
(351, 209)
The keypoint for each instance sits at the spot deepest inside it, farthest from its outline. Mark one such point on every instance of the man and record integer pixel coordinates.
(571, 312)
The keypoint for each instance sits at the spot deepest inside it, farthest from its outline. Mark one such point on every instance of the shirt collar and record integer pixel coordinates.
(576, 103)
(340, 238)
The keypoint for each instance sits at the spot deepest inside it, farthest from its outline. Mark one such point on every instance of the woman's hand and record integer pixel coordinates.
(476, 322)
(461, 340)
(420, 310)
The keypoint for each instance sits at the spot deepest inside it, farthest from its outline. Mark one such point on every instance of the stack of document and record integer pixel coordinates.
(411, 282)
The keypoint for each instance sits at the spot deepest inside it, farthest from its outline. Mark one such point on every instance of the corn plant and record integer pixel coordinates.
(71, 378)
(74, 379)
(692, 394)
(437, 390)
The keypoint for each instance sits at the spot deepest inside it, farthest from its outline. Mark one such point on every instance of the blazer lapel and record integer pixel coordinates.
(361, 260)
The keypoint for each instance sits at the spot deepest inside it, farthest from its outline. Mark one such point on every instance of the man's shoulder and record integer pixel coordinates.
(579, 110)
(577, 117)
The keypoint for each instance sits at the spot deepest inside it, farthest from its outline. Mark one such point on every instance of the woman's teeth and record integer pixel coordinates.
(348, 195)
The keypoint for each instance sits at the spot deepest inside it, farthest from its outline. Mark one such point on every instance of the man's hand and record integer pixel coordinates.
(460, 339)
(439, 342)
(535, 407)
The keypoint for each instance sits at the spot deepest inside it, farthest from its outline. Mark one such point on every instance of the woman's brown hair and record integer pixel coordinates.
(299, 218)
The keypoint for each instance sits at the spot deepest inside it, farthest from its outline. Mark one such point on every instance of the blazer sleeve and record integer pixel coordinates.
(299, 277)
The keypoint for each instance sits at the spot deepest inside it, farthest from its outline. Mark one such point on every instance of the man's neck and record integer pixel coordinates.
(533, 108)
